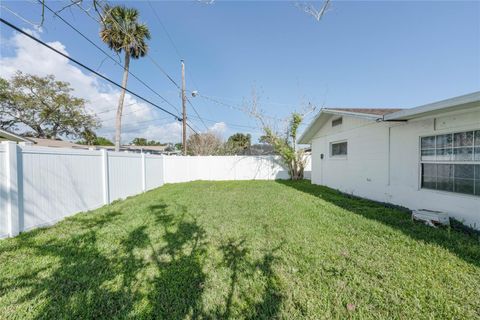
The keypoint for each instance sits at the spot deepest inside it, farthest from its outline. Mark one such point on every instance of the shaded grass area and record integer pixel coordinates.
(240, 250)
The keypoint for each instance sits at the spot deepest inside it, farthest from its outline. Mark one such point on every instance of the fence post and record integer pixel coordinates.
(164, 160)
(106, 183)
(144, 173)
(12, 188)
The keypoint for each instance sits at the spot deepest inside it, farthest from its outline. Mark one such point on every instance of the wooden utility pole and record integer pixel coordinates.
(184, 112)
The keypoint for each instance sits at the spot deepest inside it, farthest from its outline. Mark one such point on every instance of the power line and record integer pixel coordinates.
(191, 104)
(107, 55)
(178, 54)
(133, 124)
(114, 109)
(123, 114)
(163, 71)
(229, 124)
(151, 59)
(154, 62)
(35, 25)
(221, 103)
(88, 68)
(165, 29)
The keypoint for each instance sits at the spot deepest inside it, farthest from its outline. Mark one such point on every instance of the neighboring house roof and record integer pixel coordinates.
(154, 149)
(146, 148)
(40, 142)
(385, 114)
(67, 144)
(7, 135)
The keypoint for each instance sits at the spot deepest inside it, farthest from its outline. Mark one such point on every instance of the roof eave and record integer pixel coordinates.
(307, 135)
(464, 101)
(14, 137)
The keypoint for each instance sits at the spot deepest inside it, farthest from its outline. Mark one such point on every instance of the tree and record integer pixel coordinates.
(238, 143)
(95, 141)
(284, 143)
(121, 31)
(286, 146)
(102, 141)
(204, 144)
(139, 142)
(43, 107)
(145, 142)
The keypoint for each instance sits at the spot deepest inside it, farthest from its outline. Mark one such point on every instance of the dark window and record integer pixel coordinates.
(339, 149)
(460, 178)
(450, 162)
(459, 146)
(445, 177)
(337, 122)
(477, 179)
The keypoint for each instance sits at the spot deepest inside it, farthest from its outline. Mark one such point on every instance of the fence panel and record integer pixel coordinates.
(124, 174)
(153, 171)
(191, 168)
(56, 183)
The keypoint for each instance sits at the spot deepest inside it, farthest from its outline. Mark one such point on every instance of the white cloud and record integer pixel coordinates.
(218, 128)
(31, 57)
(170, 132)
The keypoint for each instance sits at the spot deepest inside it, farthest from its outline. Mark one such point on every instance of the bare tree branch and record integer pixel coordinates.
(285, 141)
(207, 2)
(75, 2)
(311, 10)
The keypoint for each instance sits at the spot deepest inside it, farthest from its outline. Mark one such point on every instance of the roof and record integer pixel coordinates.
(325, 113)
(467, 101)
(471, 100)
(370, 111)
(7, 135)
(40, 142)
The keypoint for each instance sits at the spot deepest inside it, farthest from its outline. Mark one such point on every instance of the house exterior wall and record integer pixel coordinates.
(383, 162)
(363, 171)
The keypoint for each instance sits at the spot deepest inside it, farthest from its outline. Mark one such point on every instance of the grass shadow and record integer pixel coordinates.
(74, 285)
(236, 257)
(465, 246)
(179, 285)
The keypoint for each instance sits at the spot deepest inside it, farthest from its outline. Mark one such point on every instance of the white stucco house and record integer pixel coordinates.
(426, 157)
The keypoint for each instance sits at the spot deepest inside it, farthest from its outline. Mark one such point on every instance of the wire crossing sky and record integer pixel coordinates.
(360, 54)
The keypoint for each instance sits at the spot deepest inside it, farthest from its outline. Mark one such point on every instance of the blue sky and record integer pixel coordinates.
(361, 54)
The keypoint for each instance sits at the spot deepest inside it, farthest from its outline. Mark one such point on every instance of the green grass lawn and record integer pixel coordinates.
(239, 250)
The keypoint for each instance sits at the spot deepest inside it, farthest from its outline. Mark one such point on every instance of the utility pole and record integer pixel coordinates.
(184, 112)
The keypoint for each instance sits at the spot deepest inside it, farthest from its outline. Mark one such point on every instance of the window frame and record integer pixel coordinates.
(340, 156)
(472, 162)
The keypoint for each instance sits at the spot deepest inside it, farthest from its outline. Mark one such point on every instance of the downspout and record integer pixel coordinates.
(389, 143)
(382, 119)
(389, 156)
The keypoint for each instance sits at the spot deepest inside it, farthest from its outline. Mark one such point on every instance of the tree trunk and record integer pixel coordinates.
(118, 120)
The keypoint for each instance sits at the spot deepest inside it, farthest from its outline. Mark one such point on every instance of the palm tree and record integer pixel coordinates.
(121, 31)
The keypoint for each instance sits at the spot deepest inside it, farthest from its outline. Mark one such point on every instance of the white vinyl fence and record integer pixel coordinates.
(39, 186)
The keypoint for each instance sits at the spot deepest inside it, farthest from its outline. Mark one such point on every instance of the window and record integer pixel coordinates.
(451, 162)
(337, 122)
(338, 149)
